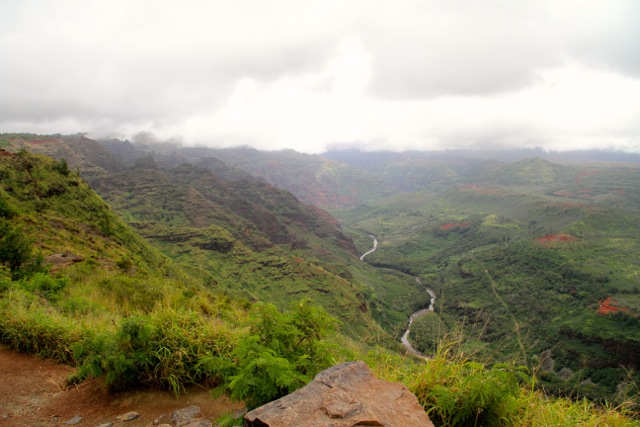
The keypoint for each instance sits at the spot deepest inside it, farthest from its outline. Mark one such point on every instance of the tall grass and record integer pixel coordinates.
(28, 324)
(166, 348)
(455, 390)
(251, 354)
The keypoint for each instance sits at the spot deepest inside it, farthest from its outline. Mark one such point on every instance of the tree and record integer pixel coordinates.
(15, 249)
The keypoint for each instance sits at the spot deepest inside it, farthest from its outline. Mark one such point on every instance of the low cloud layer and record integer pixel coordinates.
(409, 74)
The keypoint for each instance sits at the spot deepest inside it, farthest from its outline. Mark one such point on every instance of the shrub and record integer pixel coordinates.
(45, 285)
(281, 353)
(62, 167)
(29, 326)
(465, 393)
(6, 210)
(15, 248)
(166, 348)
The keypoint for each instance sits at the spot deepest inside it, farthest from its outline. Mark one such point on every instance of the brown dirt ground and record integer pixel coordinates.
(33, 393)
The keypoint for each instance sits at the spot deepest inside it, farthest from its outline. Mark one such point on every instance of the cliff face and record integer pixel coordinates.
(226, 195)
(232, 230)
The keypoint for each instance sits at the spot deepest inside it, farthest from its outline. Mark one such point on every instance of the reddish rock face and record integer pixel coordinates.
(343, 396)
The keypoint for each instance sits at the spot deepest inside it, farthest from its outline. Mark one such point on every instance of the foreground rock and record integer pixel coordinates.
(343, 396)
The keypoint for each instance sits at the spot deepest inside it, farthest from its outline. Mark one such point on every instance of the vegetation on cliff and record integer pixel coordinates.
(79, 285)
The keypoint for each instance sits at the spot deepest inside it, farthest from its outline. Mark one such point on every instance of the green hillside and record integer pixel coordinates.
(524, 269)
(80, 286)
(245, 237)
(313, 179)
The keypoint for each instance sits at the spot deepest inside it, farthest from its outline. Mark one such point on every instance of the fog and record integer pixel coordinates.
(421, 75)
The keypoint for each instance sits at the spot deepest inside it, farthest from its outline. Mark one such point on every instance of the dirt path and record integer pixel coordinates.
(33, 394)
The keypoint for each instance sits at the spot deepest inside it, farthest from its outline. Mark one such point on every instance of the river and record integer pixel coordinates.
(405, 337)
(373, 249)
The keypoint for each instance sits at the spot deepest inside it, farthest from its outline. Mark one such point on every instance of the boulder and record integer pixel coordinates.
(343, 396)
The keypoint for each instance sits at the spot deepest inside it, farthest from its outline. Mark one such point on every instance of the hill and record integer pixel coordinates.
(80, 286)
(60, 213)
(525, 262)
(243, 236)
(313, 179)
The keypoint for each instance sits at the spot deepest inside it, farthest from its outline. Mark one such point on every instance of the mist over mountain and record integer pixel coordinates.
(376, 158)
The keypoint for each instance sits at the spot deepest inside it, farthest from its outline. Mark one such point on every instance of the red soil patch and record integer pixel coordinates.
(553, 238)
(4, 153)
(607, 306)
(453, 225)
(326, 215)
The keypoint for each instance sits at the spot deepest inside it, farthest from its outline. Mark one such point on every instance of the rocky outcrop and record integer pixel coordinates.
(62, 260)
(343, 396)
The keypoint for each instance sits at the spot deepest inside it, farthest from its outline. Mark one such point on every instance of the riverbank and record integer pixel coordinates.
(405, 337)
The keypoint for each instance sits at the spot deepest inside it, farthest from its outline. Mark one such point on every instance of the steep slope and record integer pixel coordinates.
(312, 179)
(61, 214)
(79, 286)
(242, 236)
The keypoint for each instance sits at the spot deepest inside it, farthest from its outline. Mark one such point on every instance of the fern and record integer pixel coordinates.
(281, 353)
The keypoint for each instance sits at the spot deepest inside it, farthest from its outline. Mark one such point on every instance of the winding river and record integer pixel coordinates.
(405, 337)
(373, 249)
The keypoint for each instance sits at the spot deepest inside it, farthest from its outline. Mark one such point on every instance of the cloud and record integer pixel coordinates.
(460, 47)
(409, 74)
(602, 34)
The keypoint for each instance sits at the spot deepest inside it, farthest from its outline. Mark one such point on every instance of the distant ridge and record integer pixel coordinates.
(531, 171)
(366, 158)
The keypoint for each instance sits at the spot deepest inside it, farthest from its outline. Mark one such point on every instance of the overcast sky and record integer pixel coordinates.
(311, 75)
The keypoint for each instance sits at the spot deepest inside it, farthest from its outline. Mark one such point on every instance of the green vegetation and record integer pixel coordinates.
(280, 353)
(229, 306)
(522, 270)
(457, 391)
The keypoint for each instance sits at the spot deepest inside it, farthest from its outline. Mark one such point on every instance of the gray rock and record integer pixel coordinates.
(185, 416)
(129, 416)
(109, 424)
(343, 396)
(73, 421)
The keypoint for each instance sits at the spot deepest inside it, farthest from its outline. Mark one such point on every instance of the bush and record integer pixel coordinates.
(165, 349)
(28, 326)
(465, 393)
(45, 285)
(6, 210)
(62, 167)
(15, 248)
(281, 353)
